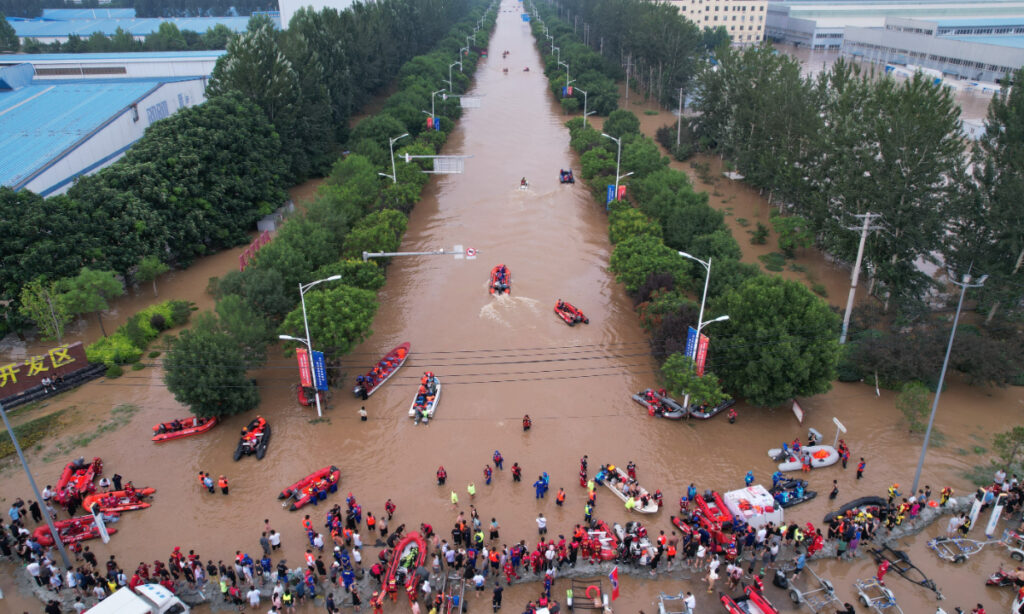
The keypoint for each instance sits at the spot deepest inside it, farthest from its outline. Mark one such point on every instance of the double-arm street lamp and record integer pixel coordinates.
(303, 288)
(700, 317)
(391, 147)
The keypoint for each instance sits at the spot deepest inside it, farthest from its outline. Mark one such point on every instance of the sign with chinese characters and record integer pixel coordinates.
(18, 377)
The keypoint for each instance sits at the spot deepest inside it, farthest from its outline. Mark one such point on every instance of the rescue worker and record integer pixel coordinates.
(527, 422)
(222, 483)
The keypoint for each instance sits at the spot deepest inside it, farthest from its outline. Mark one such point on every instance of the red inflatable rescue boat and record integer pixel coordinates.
(77, 476)
(501, 280)
(410, 553)
(325, 480)
(166, 431)
(119, 500)
(570, 314)
(382, 371)
(71, 530)
(752, 603)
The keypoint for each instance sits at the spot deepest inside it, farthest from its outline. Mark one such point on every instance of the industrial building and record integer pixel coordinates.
(58, 24)
(289, 7)
(148, 64)
(977, 51)
(821, 25)
(743, 19)
(54, 130)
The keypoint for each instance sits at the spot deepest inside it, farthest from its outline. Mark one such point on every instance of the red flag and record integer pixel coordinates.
(304, 373)
(614, 578)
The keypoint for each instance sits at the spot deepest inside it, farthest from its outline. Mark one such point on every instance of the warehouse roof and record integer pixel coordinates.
(41, 121)
(127, 56)
(48, 28)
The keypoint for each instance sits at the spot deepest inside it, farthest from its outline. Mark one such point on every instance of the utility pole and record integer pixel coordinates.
(628, 62)
(864, 229)
(679, 120)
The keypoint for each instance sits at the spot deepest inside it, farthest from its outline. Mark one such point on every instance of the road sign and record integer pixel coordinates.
(470, 253)
(798, 412)
(839, 425)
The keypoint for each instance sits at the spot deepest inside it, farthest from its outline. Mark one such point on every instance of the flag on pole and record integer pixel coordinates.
(613, 577)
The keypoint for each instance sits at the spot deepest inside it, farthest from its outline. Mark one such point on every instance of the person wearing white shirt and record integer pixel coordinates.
(254, 597)
(33, 570)
(47, 493)
(690, 602)
(542, 524)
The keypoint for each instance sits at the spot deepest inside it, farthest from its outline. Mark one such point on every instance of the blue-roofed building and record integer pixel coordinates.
(54, 131)
(143, 64)
(68, 14)
(59, 24)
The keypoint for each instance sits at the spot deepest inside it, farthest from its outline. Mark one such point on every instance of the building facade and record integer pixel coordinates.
(744, 20)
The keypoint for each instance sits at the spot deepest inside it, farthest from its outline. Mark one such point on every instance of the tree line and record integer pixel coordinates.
(354, 211)
(197, 181)
(849, 142)
(657, 46)
(168, 37)
(144, 8)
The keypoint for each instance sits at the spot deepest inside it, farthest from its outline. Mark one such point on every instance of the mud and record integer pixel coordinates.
(500, 358)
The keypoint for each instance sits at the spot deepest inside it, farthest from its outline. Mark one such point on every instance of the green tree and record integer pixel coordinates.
(217, 37)
(9, 41)
(912, 401)
(206, 369)
(636, 258)
(681, 378)
(621, 123)
(625, 222)
(1008, 446)
(149, 269)
(244, 325)
(167, 38)
(41, 302)
(90, 292)
(339, 318)
(780, 342)
(263, 287)
(379, 231)
(794, 233)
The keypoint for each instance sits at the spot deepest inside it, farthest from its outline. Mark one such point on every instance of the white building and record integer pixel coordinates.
(142, 65)
(743, 19)
(289, 7)
(52, 131)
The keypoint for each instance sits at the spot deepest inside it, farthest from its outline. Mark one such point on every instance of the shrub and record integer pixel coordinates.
(114, 371)
(154, 353)
(138, 366)
(112, 350)
(158, 322)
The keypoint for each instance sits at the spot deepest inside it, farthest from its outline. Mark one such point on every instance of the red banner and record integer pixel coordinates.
(304, 372)
(702, 354)
(60, 361)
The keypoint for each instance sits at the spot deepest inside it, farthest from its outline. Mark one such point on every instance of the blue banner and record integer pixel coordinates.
(319, 371)
(526, 17)
(437, 125)
(611, 194)
(691, 342)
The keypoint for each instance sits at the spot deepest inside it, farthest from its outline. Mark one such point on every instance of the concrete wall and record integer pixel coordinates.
(110, 141)
(127, 68)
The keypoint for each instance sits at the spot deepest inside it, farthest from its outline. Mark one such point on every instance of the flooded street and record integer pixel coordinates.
(500, 358)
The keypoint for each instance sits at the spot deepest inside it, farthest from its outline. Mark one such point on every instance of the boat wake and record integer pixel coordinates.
(503, 306)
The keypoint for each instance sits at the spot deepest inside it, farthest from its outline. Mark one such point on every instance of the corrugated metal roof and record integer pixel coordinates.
(1016, 42)
(980, 22)
(38, 28)
(128, 56)
(66, 14)
(42, 120)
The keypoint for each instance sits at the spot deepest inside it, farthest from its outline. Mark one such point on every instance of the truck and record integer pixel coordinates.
(146, 599)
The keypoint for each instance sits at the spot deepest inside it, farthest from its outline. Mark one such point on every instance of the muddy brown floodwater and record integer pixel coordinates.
(500, 358)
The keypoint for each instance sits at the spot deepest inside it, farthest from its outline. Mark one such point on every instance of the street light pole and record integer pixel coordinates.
(567, 81)
(391, 147)
(466, 49)
(35, 489)
(700, 317)
(964, 284)
(585, 114)
(303, 288)
(451, 87)
(618, 160)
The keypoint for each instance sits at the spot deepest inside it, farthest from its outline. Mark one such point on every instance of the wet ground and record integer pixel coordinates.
(502, 357)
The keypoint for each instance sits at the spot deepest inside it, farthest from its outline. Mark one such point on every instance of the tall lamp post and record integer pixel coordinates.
(568, 82)
(451, 86)
(618, 161)
(303, 288)
(700, 316)
(585, 114)
(35, 489)
(964, 284)
(394, 174)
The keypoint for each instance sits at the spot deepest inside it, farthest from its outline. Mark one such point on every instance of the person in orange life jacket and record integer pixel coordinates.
(527, 422)
(222, 483)
(732, 415)
(389, 507)
(442, 475)
(517, 472)
(560, 497)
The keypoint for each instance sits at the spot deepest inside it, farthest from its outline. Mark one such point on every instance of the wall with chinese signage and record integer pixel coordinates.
(59, 361)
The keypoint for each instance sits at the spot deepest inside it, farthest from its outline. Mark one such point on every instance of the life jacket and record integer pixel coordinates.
(222, 483)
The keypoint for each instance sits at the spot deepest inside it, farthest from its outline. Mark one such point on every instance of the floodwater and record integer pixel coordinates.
(500, 358)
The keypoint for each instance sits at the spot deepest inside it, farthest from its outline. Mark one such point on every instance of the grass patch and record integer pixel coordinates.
(30, 433)
(797, 268)
(742, 221)
(154, 353)
(819, 289)
(119, 416)
(979, 475)
(961, 452)
(319, 420)
(773, 261)
(938, 439)
(716, 193)
(650, 112)
(138, 366)
(980, 450)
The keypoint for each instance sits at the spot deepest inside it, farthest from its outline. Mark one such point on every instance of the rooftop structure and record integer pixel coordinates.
(59, 24)
(289, 7)
(54, 131)
(117, 65)
(743, 19)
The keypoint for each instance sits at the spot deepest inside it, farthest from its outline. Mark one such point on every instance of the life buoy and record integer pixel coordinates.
(933, 504)
(820, 454)
(592, 587)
